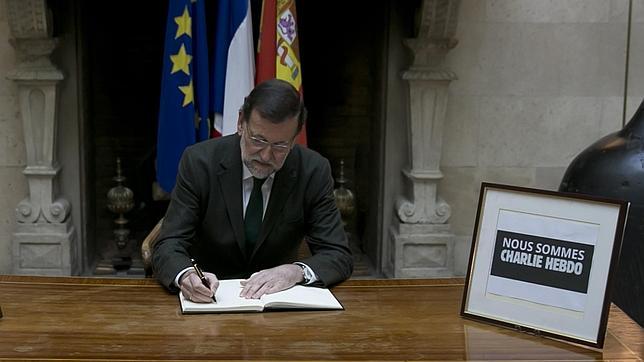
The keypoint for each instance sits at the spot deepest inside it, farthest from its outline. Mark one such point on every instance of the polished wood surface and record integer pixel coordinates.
(135, 319)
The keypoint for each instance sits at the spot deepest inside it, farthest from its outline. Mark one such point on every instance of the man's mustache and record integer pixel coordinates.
(264, 163)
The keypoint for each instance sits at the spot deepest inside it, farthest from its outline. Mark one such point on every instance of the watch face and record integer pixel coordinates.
(307, 273)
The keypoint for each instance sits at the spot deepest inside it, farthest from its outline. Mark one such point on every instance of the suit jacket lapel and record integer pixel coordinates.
(230, 180)
(283, 185)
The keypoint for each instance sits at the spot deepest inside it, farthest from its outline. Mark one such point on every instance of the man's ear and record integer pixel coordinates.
(240, 123)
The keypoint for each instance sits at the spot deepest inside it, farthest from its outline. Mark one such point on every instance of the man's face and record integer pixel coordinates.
(265, 145)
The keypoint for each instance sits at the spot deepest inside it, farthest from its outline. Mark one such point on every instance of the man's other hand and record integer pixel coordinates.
(271, 281)
(194, 290)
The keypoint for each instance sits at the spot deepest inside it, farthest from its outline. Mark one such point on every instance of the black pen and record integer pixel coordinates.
(204, 281)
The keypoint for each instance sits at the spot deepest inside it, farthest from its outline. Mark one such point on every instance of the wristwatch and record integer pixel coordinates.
(307, 274)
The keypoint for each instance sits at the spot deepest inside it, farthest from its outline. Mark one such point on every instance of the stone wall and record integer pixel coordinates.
(13, 186)
(539, 81)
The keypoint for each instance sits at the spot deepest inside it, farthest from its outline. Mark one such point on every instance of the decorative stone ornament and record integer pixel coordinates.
(420, 243)
(29, 19)
(435, 33)
(344, 198)
(44, 241)
(120, 201)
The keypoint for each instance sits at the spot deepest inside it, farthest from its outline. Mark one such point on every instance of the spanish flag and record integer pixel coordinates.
(278, 51)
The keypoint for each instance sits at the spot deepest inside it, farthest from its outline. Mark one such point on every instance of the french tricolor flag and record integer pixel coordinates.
(234, 63)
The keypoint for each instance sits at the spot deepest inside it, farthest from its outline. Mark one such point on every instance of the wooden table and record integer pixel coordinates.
(63, 318)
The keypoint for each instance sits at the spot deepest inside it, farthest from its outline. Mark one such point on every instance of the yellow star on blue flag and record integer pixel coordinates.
(184, 24)
(181, 61)
(188, 96)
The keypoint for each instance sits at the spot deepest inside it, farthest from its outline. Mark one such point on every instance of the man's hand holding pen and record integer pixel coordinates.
(196, 289)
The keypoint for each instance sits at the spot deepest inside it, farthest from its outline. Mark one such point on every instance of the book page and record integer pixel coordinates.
(300, 296)
(228, 299)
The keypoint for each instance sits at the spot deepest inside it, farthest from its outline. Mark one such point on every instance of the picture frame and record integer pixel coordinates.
(543, 261)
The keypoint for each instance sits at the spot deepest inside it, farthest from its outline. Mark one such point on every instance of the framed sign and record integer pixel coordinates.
(542, 261)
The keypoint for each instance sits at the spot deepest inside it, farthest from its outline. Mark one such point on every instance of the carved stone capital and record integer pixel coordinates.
(435, 32)
(57, 211)
(410, 213)
(442, 212)
(407, 211)
(26, 212)
(31, 35)
(34, 62)
(428, 74)
(429, 53)
(438, 19)
(29, 19)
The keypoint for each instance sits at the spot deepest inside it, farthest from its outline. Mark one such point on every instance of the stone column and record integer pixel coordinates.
(421, 243)
(44, 241)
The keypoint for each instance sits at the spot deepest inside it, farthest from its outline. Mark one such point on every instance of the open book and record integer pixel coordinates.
(228, 300)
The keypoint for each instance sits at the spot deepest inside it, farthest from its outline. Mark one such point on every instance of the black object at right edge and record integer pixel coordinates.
(613, 167)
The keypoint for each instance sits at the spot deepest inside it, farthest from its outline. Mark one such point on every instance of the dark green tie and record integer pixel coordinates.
(254, 211)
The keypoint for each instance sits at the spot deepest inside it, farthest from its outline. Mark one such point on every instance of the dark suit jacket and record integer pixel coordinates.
(205, 217)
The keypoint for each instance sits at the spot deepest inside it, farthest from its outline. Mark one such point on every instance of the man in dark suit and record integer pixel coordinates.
(243, 203)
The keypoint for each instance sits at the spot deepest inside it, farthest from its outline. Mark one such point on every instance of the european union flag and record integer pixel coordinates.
(184, 105)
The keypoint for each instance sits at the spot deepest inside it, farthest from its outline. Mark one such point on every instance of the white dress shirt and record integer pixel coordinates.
(247, 188)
